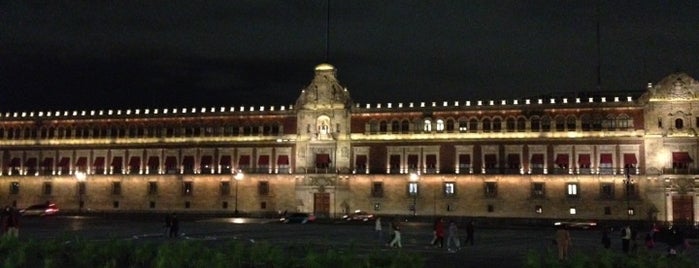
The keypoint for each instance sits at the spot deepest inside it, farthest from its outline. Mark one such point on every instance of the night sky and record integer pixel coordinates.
(168, 54)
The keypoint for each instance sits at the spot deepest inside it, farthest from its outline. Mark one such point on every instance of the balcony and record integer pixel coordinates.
(680, 171)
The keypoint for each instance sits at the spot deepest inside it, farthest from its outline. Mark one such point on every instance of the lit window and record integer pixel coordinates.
(538, 209)
(449, 188)
(427, 127)
(572, 189)
(440, 125)
(412, 188)
(572, 211)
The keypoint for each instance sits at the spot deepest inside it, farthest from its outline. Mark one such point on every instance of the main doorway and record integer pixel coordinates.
(682, 209)
(321, 205)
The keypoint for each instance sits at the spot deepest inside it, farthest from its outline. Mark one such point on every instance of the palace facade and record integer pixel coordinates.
(593, 157)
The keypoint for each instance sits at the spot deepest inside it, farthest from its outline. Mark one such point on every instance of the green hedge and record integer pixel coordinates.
(188, 253)
(608, 259)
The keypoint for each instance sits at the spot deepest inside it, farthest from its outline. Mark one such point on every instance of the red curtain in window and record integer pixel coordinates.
(263, 160)
(431, 160)
(360, 161)
(584, 160)
(135, 162)
(464, 159)
(537, 159)
(153, 161)
(81, 164)
(206, 161)
(681, 157)
(562, 160)
(244, 161)
(412, 160)
(31, 162)
(116, 162)
(394, 160)
(171, 162)
(490, 159)
(605, 159)
(48, 163)
(513, 159)
(99, 162)
(630, 160)
(283, 160)
(225, 161)
(322, 158)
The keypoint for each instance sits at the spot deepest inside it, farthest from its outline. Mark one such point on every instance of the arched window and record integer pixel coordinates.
(623, 122)
(560, 123)
(521, 124)
(473, 125)
(440, 125)
(597, 122)
(585, 122)
(405, 126)
(545, 124)
(679, 124)
(611, 122)
(571, 123)
(427, 125)
(463, 125)
(510, 124)
(536, 124)
(383, 126)
(486, 125)
(373, 127)
(497, 125)
(450, 125)
(395, 127)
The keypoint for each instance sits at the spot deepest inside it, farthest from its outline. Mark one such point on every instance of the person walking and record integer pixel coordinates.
(174, 226)
(168, 224)
(13, 222)
(396, 241)
(563, 242)
(438, 233)
(625, 239)
(453, 237)
(377, 229)
(606, 241)
(469, 233)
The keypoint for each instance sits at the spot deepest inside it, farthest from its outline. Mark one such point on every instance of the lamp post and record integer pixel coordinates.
(413, 188)
(80, 177)
(627, 185)
(238, 176)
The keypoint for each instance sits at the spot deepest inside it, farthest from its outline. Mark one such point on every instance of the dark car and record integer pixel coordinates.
(359, 215)
(298, 217)
(40, 210)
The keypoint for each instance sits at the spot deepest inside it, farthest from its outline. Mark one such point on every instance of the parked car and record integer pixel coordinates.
(298, 217)
(576, 224)
(359, 215)
(47, 209)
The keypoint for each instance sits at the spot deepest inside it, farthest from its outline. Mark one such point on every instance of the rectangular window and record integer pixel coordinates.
(607, 210)
(606, 191)
(116, 188)
(187, 188)
(152, 188)
(449, 189)
(377, 189)
(225, 188)
(412, 188)
(47, 188)
(631, 190)
(538, 190)
(14, 187)
(572, 189)
(263, 188)
(538, 209)
(491, 189)
(572, 211)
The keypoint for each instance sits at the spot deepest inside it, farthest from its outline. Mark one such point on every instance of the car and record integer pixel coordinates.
(298, 217)
(47, 209)
(584, 225)
(359, 215)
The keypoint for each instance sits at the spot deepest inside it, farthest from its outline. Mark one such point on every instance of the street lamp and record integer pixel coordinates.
(627, 185)
(238, 176)
(80, 177)
(413, 189)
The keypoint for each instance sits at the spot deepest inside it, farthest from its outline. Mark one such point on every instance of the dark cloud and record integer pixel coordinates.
(86, 54)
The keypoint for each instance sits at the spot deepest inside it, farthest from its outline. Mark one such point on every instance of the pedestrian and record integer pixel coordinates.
(12, 222)
(396, 241)
(377, 229)
(563, 242)
(174, 225)
(626, 233)
(650, 244)
(606, 240)
(438, 231)
(453, 237)
(469, 233)
(168, 224)
(3, 219)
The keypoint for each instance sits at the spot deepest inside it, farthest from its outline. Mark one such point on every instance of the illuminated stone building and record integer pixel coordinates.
(597, 157)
